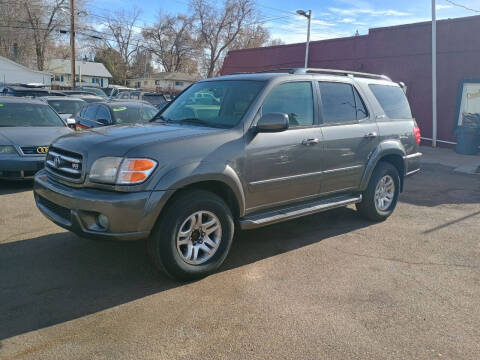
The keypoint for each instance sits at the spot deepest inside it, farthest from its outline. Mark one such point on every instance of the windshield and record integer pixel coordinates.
(219, 103)
(124, 114)
(28, 115)
(66, 106)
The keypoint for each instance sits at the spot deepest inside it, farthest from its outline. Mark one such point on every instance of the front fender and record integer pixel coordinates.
(385, 148)
(196, 172)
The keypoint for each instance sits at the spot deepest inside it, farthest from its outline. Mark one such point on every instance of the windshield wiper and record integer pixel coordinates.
(160, 117)
(200, 122)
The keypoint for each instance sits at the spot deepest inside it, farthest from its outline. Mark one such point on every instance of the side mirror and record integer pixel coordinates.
(272, 122)
(71, 123)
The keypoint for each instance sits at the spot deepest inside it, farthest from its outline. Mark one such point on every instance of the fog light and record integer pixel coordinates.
(102, 220)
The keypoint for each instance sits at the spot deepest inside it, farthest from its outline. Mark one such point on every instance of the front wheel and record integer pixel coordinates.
(380, 197)
(193, 236)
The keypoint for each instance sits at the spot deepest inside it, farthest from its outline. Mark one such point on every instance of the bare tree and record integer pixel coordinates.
(171, 41)
(44, 17)
(123, 28)
(252, 36)
(218, 28)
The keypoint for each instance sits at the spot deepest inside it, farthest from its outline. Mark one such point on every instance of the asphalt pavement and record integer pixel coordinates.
(328, 286)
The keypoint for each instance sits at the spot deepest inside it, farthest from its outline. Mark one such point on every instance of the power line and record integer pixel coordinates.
(462, 6)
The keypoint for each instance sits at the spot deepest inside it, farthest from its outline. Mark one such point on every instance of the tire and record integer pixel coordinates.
(185, 213)
(369, 208)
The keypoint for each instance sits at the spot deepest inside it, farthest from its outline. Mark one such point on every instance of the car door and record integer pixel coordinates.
(350, 135)
(285, 166)
(86, 117)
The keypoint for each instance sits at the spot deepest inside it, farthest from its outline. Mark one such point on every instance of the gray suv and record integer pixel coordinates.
(271, 147)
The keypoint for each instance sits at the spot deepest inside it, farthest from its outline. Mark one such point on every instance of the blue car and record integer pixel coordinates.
(27, 128)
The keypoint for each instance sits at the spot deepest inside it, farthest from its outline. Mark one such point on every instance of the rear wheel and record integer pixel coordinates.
(380, 197)
(193, 236)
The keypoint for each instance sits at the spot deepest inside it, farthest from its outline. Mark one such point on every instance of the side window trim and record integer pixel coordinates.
(315, 99)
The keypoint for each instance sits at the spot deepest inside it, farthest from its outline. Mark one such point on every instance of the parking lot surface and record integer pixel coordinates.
(328, 286)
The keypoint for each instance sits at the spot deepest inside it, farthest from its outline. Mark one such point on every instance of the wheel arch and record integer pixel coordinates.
(392, 152)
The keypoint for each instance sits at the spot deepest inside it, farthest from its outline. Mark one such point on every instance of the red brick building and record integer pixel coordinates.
(404, 54)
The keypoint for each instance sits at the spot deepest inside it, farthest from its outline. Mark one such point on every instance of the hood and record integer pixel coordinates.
(31, 136)
(117, 140)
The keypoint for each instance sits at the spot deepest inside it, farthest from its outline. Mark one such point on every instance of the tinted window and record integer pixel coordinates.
(28, 115)
(228, 102)
(338, 103)
(393, 101)
(66, 106)
(103, 113)
(362, 111)
(294, 99)
(90, 112)
(124, 114)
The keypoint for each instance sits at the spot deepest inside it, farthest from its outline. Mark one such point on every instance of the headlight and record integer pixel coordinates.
(116, 170)
(7, 150)
(104, 170)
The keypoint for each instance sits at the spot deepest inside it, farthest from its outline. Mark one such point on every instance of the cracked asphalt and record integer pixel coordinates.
(328, 286)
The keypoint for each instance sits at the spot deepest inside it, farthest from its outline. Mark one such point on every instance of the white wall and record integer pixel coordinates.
(11, 73)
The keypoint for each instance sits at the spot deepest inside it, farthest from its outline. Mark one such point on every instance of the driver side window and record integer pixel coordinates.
(294, 99)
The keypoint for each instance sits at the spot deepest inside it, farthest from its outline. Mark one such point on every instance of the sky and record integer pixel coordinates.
(330, 18)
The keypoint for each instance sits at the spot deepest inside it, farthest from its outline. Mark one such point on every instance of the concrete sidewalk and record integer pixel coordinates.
(469, 164)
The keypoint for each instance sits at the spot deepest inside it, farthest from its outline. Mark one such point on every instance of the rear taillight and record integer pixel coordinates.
(416, 132)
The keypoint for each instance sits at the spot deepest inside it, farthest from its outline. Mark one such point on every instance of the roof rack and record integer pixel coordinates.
(327, 71)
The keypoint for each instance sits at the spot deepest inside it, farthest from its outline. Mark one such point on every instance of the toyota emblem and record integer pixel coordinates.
(57, 161)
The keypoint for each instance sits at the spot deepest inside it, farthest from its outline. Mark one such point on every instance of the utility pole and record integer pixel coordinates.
(72, 39)
(434, 75)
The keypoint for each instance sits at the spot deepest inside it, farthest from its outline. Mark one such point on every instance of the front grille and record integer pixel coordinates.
(64, 164)
(34, 150)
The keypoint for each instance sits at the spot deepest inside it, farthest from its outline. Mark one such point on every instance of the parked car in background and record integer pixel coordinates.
(67, 107)
(153, 98)
(27, 128)
(22, 91)
(56, 93)
(113, 90)
(114, 113)
(92, 90)
(89, 98)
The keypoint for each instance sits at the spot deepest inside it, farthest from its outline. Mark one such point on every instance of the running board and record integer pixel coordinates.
(296, 211)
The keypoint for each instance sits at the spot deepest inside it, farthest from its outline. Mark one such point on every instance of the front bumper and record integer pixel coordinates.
(17, 167)
(131, 216)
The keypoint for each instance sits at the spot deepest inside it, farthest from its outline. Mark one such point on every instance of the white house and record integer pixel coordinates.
(14, 73)
(87, 73)
(164, 81)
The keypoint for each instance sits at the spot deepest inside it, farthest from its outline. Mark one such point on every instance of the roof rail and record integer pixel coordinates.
(327, 71)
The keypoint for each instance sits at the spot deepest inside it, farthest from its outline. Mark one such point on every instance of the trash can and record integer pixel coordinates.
(467, 140)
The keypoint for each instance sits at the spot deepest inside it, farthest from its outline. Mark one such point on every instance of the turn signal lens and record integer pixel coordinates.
(135, 171)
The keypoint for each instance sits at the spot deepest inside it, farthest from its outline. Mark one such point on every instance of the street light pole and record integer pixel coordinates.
(72, 39)
(308, 15)
(434, 75)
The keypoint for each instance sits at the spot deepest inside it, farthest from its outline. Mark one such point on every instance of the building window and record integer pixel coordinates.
(178, 83)
(157, 82)
(469, 108)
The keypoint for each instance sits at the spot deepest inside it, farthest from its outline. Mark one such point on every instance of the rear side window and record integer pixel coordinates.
(90, 112)
(393, 101)
(341, 103)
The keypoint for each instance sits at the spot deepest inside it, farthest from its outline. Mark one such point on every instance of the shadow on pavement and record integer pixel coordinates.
(56, 278)
(436, 185)
(12, 187)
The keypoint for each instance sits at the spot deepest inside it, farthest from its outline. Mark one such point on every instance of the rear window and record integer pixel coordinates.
(124, 114)
(66, 106)
(393, 101)
(22, 114)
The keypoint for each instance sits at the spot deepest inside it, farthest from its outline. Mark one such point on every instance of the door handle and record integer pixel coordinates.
(371, 135)
(308, 142)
